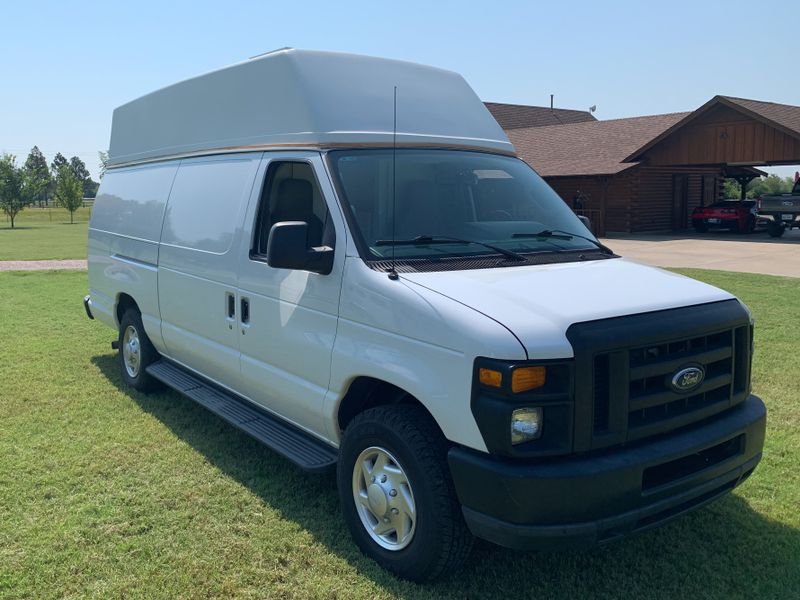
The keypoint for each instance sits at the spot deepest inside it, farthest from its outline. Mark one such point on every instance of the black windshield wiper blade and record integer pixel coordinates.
(564, 235)
(426, 240)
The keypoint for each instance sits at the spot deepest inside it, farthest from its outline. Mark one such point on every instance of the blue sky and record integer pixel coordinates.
(65, 66)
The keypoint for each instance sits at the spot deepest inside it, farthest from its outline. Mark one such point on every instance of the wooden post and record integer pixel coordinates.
(601, 227)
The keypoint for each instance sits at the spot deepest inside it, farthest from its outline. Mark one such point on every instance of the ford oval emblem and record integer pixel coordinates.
(687, 379)
(788, 203)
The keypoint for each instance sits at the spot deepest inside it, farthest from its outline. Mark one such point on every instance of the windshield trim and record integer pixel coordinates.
(372, 261)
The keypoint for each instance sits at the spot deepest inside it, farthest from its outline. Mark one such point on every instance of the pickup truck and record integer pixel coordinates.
(781, 211)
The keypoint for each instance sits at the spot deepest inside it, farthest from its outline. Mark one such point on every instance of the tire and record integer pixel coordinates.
(437, 540)
(133, 371)
(701, 227)
(775, 229)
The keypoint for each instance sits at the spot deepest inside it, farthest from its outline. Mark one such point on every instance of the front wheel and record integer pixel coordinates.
(397, 497)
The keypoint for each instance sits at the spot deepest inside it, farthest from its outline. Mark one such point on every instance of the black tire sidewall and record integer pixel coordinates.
(148, 354)
(416, 560)
(775, 229)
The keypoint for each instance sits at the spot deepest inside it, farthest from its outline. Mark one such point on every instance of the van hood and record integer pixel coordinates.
(538, 303)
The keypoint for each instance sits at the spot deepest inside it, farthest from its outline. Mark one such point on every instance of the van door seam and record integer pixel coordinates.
(158, 256)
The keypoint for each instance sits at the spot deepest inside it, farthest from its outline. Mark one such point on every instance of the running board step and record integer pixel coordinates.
(301, 448)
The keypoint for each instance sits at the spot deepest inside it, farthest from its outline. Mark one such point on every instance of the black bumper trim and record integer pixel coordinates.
(87, 306)
(603, 531)
(594, 499)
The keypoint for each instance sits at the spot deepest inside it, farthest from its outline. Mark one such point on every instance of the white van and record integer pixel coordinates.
(392, 292)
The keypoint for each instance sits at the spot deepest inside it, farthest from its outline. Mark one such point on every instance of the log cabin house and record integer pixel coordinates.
(643, 174)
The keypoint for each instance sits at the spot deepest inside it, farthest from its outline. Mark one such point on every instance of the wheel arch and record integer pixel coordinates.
(124, 302)
(366, 392)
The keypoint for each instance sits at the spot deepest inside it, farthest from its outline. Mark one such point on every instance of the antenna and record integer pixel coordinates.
(392, 271)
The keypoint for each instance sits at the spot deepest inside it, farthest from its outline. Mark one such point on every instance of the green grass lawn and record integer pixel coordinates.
(108, 493)
(44, 234)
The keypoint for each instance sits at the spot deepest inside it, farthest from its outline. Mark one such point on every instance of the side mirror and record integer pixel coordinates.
(286, 249)
(586, 222)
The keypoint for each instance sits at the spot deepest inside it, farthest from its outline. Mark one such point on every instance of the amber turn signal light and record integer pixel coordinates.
(490, 377)
(527, 378)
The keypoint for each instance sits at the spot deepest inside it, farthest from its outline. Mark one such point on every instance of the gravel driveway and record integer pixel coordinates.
(752, 253)
(41, 265)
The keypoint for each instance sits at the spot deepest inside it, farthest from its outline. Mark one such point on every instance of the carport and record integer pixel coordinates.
(734, 134)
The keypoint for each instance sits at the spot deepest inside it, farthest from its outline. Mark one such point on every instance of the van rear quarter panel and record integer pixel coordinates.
(124, 232)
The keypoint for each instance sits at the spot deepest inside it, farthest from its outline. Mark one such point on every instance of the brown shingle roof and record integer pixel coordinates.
(514, 116)
(588, 148)
(785, 115)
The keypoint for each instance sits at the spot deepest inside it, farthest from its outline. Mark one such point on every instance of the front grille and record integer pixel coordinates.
(651, 401)
(625, 366)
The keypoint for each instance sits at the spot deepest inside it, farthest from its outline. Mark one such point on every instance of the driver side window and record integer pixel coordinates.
(291, 193)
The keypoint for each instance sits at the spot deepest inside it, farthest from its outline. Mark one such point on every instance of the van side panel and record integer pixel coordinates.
(123, 242)
(198, 263)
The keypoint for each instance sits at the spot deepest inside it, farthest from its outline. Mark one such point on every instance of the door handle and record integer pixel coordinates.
(244, 314)
(230, 305)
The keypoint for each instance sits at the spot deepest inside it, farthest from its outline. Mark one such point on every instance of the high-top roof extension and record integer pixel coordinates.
(301, 98)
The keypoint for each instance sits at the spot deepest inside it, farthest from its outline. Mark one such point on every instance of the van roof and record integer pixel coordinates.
(302, 98)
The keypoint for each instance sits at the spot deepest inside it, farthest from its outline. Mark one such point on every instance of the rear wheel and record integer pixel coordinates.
(397, 497)
(775, 229)
(136, 352)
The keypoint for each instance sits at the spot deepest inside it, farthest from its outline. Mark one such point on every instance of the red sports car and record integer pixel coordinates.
(737, 215)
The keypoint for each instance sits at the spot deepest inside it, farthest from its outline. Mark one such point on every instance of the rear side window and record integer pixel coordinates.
(291, 193)
(206, 203)
(131, 201)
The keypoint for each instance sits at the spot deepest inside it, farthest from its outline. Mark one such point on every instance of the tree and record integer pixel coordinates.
(770, 185)
(37, 175)
(58, 162)
(79, 168)
(69, 190)
(732, 189)
(12, 200)
(90, 187)
(103, 156)
(82, 173)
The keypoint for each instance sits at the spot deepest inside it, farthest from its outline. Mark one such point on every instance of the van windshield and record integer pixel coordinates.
(452, 203)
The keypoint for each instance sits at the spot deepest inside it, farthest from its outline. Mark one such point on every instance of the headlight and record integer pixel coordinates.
(526, 425)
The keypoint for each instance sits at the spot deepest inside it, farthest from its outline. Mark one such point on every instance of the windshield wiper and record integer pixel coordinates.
(426, 240)
(560, 234)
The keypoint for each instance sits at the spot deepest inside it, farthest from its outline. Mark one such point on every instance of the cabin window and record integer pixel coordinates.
(291, 193)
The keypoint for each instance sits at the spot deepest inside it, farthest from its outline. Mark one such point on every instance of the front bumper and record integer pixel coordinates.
(600, 497)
